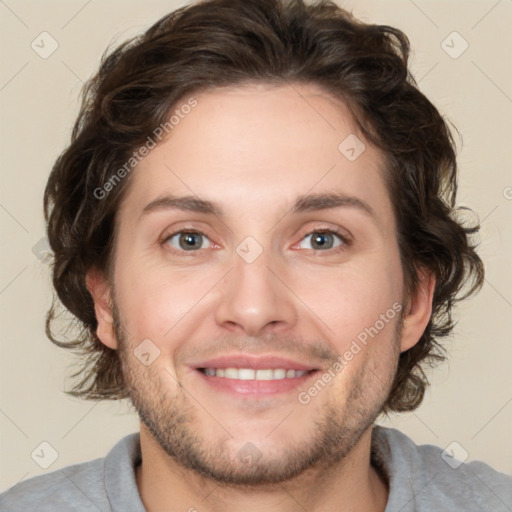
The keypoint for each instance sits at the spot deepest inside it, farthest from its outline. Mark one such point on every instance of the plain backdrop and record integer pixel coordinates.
(470, 402)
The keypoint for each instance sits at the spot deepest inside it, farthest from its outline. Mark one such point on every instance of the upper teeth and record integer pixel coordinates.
(250, 374)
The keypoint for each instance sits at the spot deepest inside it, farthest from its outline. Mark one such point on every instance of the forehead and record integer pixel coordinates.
(258, 146)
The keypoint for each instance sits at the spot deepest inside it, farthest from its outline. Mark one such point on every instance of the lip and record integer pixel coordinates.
(254, 362)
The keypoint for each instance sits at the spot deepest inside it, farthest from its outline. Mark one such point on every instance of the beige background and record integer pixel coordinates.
(471, 399)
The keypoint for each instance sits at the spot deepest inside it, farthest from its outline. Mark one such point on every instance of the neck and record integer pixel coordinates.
(352, 484)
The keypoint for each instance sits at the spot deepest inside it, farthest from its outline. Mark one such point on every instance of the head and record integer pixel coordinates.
(259, 115)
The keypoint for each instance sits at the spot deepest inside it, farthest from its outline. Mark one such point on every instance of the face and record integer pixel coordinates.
(251, 244)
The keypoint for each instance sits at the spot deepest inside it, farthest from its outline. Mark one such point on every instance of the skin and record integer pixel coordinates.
(253, 150)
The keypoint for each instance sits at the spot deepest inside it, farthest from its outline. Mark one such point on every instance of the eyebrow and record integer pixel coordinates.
(304, 203)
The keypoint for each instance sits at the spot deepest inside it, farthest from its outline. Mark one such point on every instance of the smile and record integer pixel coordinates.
(252, 374)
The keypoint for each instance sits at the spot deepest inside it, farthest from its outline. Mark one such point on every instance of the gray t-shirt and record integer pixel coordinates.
(420, 480)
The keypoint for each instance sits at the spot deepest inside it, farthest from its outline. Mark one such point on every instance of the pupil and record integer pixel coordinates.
(319, 239)
(188, 238)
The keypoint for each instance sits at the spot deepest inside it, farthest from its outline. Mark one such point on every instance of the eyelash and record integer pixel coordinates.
(346, 242)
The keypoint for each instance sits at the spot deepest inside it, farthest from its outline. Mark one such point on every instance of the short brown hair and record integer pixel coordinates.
(231, 42)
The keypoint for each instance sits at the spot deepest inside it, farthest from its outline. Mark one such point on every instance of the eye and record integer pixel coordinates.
(324, 240)
(193, 241)
(187, 241)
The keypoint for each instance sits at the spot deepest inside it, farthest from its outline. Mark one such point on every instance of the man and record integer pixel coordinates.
(254, 224)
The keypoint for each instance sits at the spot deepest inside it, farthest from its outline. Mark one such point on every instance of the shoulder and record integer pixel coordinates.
(77, 487)
(81, 487)
(427, 477)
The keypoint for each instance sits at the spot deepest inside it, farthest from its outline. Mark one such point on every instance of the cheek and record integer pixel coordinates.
(153, 309)
(152, 299)
(352, 297)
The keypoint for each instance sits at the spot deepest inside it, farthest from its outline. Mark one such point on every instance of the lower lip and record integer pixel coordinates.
(254, 388)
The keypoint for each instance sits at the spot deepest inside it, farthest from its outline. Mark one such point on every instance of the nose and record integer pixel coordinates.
(255, 298)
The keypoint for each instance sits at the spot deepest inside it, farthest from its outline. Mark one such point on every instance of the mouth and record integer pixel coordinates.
(261, 374)
(254, 377)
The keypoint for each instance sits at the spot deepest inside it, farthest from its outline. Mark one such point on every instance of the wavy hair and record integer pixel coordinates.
(217, 43)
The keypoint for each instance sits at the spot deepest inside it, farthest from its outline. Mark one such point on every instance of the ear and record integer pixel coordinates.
(419, 311)
(99, 288)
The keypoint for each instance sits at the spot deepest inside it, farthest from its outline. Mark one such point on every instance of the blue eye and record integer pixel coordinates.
(323, 240)
(193, 241)
(187, 240)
